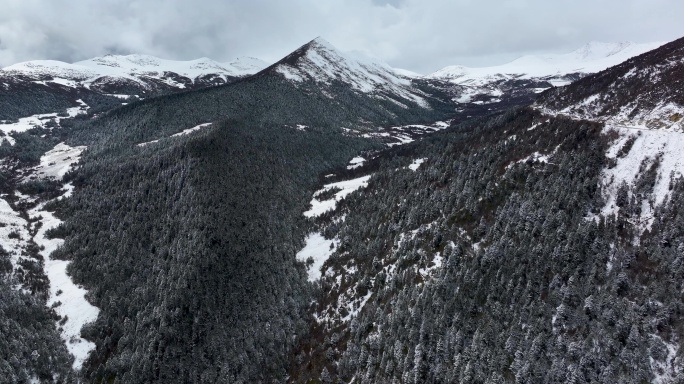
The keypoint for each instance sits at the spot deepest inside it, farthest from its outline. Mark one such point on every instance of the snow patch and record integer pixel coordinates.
(416, 163)
(55, 163)
(67, 298)
(356, 162)
(190, 130)
(319, 249)
(181, 133)
(347, 187)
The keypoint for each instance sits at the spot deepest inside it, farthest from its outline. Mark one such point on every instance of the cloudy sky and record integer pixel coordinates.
(419, 35)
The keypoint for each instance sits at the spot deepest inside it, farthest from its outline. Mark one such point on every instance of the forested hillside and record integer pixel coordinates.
(187, 244)
(488, 264)
(299, 225)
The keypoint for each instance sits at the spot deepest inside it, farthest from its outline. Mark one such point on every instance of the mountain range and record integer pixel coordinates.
(328, 218)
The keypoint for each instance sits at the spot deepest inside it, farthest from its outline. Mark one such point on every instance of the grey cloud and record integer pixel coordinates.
(419, 35)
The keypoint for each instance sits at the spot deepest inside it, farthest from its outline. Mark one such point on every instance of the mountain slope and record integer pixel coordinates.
(48, 86)
(142, 69)
(520, 81)
(321, 63)
(187, 243)
(485, 254)
(643, 91)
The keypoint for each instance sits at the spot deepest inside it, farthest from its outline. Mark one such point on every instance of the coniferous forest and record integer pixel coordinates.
(481, 252)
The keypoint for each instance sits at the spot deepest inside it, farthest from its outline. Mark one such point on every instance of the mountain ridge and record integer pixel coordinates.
(590, 58)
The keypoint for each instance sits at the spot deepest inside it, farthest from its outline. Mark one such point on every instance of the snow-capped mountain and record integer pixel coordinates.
(590, 58)
(143, 70)
(523, 78)
(321, 63)
(644, 91)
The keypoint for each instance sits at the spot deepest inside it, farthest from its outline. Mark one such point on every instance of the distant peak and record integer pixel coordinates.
(320, 42)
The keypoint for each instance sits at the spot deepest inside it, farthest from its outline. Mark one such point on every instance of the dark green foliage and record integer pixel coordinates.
(530, 289)
(40, 187)
(188, 250)
(29, 146)
(29, 344)
(259, 100)
(23, 100)
(30, 347)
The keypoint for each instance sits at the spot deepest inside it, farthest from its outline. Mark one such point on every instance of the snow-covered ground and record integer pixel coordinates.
(181, 133)
(416, 163)
(130, 67)
(356, 162)
(404, 134)
(190, 130)
(347, 187)
(67, 298)
(39, 121)
(319, 249)
(648, 145)
(55, 163)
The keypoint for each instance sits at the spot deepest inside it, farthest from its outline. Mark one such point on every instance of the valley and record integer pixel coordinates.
(328, 218)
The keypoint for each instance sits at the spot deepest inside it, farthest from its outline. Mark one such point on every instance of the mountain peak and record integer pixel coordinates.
(320, 42)
(320, 62)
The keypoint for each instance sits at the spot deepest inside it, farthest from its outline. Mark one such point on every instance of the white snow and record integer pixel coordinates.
(147, 143)
(324, 64)
(347, 187)
(181, 133)
(67, 299)
(39, 121)
(190, 130)
(536, 156)
(55, 163)
(131, 67)
(356, 162)
(665, 372)
(319, 249)
(667, 145)
(591, 58)
(71, 298)
(416, 163)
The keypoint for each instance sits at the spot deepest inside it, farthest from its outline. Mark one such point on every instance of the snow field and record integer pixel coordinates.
(649, 144)
(591, 58)
(85, 72)
(39, 121)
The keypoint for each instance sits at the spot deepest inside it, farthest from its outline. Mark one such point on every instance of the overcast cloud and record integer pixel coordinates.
(420, 35)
